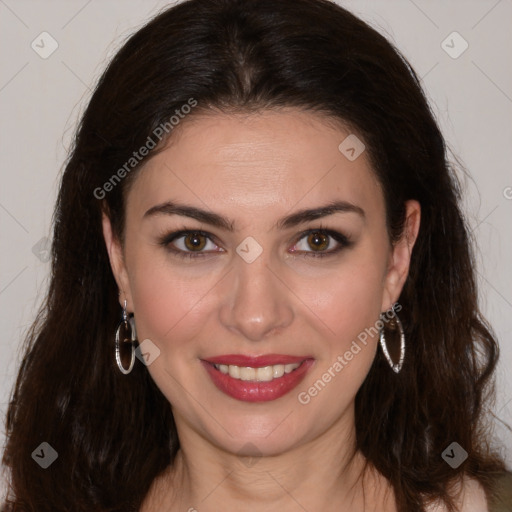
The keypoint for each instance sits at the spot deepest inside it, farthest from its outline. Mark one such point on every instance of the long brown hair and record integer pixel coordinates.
(114, 433)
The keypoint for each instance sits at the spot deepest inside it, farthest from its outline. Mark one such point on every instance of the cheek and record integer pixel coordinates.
(347, 301)
(347, 308)
(168, 306)
(350, 307)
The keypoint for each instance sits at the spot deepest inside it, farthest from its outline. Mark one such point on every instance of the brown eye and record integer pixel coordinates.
(194, 241)
(190, 244)
(318, 241)
(321, 242)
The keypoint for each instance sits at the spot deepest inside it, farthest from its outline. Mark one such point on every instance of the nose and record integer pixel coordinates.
(257, 302)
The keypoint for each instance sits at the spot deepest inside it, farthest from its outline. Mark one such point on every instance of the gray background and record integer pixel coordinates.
(41, 100)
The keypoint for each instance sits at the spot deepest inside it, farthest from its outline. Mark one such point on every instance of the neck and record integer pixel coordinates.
(326, 473)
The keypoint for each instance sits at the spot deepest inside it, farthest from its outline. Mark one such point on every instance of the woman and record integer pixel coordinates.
(262, 292)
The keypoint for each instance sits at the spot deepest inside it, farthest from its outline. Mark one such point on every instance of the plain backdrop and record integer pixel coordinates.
(467, 77)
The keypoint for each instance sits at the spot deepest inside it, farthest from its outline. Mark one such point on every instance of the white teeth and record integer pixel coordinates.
(247, 373)
(262, 374)
(289, 367)
(278, 370)
(234, 371)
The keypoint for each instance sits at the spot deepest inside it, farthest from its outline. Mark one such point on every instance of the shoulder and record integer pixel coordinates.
(501, 498)
(470, 498)
(473, 497)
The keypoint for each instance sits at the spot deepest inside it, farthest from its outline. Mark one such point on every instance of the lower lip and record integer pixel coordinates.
(251, 391)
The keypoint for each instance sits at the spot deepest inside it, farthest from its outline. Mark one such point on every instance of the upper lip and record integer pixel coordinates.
(256, 361)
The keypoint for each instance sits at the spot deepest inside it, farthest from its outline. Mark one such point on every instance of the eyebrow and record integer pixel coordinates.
(214, 219)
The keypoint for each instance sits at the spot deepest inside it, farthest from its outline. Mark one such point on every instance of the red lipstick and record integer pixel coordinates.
(253, 390)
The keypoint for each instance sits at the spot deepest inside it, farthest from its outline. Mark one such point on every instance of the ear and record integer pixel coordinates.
(400, 255)
(116, 257)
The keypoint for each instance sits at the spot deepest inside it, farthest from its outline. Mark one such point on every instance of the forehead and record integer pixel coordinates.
(252, 163)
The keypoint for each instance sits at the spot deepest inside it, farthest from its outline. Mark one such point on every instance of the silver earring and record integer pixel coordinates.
(125, 333)
(395, 322)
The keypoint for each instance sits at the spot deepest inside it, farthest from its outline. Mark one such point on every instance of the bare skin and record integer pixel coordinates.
(281, 455)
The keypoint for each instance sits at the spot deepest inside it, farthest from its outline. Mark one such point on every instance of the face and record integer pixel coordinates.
(258, 310)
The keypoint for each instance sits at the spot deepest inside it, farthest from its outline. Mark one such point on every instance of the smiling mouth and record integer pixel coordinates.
(258, 379)
(260, 374)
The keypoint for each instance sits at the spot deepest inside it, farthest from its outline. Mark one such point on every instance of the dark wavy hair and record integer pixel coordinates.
(114, 433)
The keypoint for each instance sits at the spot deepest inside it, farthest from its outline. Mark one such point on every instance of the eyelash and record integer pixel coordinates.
(166, 240)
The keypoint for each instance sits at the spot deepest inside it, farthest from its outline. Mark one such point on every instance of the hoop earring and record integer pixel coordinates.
(125, 332)
(395, 322)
